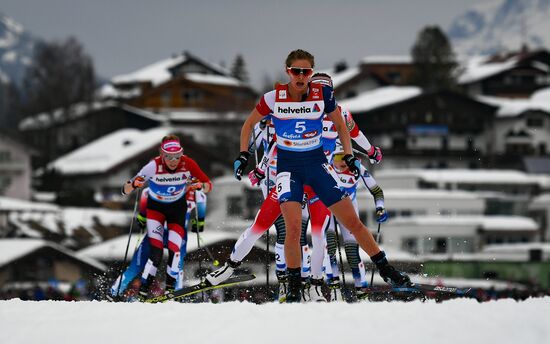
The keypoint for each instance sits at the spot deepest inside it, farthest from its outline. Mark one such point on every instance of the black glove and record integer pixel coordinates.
(240, 164)
(354, 165)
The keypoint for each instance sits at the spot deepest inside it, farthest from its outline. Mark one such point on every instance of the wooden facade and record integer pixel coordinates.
(529, 74)
(441, 126)
(180, 93)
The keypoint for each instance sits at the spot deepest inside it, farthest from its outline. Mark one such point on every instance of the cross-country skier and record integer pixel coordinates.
(129, 284)
(170, 176)
(297, 110)
(348, 183)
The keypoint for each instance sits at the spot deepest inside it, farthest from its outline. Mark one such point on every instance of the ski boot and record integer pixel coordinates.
(222, 274)
(294, 292)
(361, 294)
(283, 285)
(306, 284)
(335, 289)
(316, 290)
(389, 274)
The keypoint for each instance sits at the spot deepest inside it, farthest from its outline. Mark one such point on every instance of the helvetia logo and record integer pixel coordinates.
(303, 109)
(316, 108)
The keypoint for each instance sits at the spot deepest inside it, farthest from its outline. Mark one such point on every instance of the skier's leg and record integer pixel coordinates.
(268, 213)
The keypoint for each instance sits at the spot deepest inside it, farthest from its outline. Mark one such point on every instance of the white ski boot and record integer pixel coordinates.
(222, 274)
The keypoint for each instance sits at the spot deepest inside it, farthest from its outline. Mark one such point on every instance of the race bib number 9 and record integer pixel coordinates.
(283, 185)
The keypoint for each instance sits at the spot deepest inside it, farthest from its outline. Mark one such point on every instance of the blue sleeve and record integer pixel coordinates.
(328, 96)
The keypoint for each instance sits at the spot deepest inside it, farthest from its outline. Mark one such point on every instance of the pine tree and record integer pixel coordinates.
(434, 62)
(238, 70)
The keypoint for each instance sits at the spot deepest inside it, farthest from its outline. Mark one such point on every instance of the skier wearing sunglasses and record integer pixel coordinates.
(170, 176)
(297, 110)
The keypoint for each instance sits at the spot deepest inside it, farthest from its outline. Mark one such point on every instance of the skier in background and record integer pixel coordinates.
(170, 176)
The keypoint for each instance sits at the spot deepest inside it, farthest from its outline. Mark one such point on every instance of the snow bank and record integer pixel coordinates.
(458, 321)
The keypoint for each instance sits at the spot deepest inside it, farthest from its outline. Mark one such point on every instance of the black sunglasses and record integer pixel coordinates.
(297, 71)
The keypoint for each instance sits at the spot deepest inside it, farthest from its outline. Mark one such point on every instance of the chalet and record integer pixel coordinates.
(106, 163)
(523, 125)
(372, 72)
(31, 262)
(513, 75)
(62, 131)
(182, 81)
(425, 130)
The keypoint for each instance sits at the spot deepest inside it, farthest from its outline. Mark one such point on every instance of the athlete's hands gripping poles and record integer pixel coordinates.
(375, 155)
(353, 164)
(381, 215)
(240, 164)
(256, 176)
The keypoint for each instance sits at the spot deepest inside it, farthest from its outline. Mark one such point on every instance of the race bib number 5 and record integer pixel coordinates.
(283, 185)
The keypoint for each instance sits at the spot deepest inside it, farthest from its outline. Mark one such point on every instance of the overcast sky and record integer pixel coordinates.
(123, 35)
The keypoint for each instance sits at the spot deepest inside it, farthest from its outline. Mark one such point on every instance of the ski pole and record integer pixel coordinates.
(377, 237)
(340, 255)
(215, 262)
(138, 194)
(374, 266)
(267, 232)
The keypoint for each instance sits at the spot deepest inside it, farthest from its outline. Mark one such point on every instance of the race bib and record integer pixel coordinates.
(283, 186)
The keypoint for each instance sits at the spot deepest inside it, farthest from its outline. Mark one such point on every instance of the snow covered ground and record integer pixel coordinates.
(458, 321)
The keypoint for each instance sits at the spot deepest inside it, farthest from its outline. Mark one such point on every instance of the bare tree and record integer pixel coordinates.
(62, 74)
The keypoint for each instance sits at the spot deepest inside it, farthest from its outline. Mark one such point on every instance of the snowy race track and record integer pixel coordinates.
(459, 321)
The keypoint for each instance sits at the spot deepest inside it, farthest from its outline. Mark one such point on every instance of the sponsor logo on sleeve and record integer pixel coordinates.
(282, 94)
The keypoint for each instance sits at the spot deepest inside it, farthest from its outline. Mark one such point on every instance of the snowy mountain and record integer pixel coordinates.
(16, 49)
(497, 25)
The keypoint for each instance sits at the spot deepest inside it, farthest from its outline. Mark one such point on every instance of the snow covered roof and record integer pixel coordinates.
(339, 78)
(14, 204)
(427, 194)
(156, 73)
(213, 79)
(462, 176)
(379, 97)
(508, 107)
(543, 199)
(518, 248)
(13, 249)
(115, 248)
(387, 59)
(477, 68)
(487, 223)
(67, 220)
(160, 72)
(101, 155)
(515, 107)
(189, 115)
(45, 120)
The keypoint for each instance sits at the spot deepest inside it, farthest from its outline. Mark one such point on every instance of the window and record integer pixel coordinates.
(192, 96)
(253, 200)
(5, 156)
(440, 245)
(399, 143)
(234, 206)
(351, 94)
(410, 245)
(535, 122)
(165, 98)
